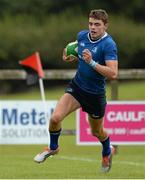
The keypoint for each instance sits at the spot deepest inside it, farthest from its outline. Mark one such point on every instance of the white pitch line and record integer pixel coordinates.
(94, 161)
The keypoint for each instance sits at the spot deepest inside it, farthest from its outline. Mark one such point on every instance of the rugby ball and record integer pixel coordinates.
(72, 49)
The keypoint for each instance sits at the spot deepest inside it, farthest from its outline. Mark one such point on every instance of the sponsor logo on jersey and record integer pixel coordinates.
(82, 44)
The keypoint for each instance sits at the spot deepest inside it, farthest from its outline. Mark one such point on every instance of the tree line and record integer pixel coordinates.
(47, 26)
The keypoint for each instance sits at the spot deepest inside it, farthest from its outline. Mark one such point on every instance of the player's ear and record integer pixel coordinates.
(106, 26)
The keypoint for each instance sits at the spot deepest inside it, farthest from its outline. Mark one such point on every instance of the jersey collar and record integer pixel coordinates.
(97, 39)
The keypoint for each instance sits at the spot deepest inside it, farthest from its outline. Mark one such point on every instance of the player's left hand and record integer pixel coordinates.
(68, 58)
(87, 55)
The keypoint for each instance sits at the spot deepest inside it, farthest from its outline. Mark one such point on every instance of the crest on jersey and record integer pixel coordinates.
(94, 50)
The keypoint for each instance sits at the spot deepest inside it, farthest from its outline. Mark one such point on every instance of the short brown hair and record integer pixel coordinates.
(99, 14)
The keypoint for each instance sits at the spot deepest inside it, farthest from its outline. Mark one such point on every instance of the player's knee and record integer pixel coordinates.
(55, 119)
(99, 133)
(95, 133)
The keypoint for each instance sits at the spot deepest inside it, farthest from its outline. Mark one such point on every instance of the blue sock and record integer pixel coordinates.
(106, 147)
(54, 135)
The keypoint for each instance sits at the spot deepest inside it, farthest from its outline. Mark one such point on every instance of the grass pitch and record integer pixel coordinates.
(73, 162)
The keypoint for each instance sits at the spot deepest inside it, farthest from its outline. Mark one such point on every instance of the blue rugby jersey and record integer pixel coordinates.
(102, 50)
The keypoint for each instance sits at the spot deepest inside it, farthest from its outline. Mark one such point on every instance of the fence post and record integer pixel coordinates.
(114, 89)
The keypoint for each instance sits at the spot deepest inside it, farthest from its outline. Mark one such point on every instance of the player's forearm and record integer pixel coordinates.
(110, 73)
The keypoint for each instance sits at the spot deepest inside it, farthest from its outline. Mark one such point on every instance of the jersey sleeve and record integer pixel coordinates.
(81, 35)
(110, 51)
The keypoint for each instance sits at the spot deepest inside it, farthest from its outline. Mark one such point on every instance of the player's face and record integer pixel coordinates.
(97, 28)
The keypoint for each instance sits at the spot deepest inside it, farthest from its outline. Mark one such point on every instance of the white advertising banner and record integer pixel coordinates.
(25, 122)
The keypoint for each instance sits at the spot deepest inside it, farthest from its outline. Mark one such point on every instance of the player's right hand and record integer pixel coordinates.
(68, 58)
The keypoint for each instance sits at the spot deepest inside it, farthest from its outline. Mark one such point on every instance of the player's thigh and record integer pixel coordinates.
(95, 124)
(65, 106)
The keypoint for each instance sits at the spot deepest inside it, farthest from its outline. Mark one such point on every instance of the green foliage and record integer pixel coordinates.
(130, 38)
(47, 26)
(132, 8)
(23, 35)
